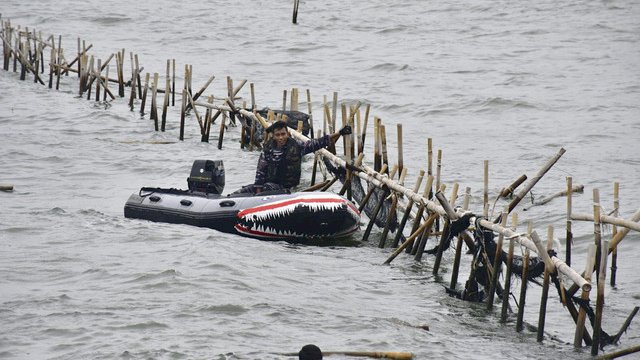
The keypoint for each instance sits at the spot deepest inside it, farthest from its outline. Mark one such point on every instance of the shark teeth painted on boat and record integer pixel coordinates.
(308, 215)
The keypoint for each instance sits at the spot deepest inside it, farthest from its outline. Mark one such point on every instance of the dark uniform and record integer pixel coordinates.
(280, 168)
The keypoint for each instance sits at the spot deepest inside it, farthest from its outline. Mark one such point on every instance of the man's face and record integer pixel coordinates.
(280, 136)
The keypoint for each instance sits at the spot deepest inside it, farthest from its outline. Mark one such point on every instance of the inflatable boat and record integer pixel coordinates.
(276, 215)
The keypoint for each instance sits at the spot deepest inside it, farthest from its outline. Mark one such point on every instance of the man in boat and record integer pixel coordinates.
(280, 163)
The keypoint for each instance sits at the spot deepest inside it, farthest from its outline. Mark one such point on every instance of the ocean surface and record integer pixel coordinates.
(509, 82)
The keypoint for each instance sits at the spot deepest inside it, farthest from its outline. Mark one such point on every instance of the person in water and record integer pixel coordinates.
(310, 352)
(280, 163)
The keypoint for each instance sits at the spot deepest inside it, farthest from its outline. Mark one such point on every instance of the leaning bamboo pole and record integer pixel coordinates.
(611, 220)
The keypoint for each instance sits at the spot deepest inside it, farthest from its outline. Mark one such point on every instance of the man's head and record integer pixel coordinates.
(310, 352)
(279, 132)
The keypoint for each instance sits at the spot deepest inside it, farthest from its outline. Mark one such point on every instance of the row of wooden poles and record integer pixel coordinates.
(433, 207)
(26, 48)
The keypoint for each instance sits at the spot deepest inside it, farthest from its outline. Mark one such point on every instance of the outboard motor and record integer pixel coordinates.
(207, 176)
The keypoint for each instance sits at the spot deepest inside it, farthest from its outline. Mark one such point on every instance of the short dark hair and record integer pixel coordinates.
(310, 352)
(276, 126)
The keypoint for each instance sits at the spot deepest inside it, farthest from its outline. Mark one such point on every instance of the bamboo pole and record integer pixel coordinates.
(345, 147)
(614, 231)
(221, 133)
(619, 353)
(507, 278)
(383, 144)
(334, 112)
(183, 111)
(523, 291)
(622, 233)
(456, 261)
(497, 263)
(485, 192)
(59, 62)
(154, 106)
(595, 345)
(425, 225)
(400, 158)
(545, 290)
(165, 103)
(377, 156)
(582, 314)
(505, 192)
(134, 78)
(144, 94)
(606, 219)
(445, 229)
(89, 77)
(421, 208)
(534, 180)
(98, 75)
(392, 214)
(296, 4)
(569, 236)
(407, 212)
(370, 191)
(365, 237)
(173, 80)
(310, 112)
(364, 128)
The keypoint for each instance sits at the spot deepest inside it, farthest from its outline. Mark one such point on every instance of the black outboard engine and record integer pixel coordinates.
(207, 176)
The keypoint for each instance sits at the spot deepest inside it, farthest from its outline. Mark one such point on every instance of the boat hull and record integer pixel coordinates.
(283, 216)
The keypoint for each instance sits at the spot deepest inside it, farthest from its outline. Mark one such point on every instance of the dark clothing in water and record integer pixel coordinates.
(280, 168)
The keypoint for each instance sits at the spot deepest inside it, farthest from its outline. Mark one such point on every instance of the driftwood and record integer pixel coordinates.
(547, 199)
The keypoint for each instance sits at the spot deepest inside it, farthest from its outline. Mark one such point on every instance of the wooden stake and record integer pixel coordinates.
(221, 135)
(400, 160)
(445, 231)
(601, 273)
(392, 215)
(383, 142)
(511, 188)
(507, 278)
(456, 261)
(154, 106)
(365, 237)
(144, 94)
(407, 212)
(296, 4)
(165, 103)
(523, 291)
(582, 314)
(545, 289)
(485, 193)
(97, 73)
(370, 191)
(364, 127)
(421, 208)
(497, 264)
(173, 81)
(334, 113)
(311, 129)
(569, 238)
(377, 156)
(426, 225)
(183, 110)
(614, 232)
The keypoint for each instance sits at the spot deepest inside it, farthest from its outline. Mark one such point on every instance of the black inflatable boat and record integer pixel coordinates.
(277, 215)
